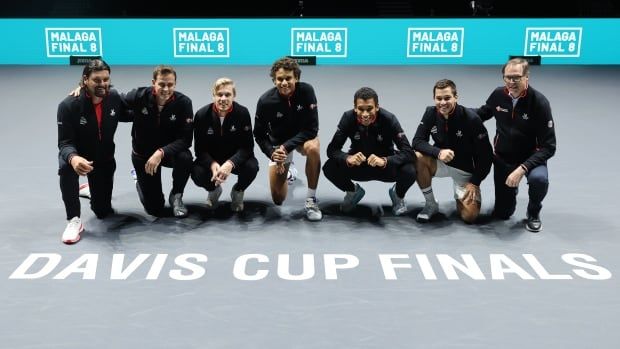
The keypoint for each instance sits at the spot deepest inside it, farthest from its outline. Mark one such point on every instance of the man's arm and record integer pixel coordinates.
(66, 133)
(334, 149)
(200, 143)
(421, 138)
(261, 129)
(405, 153)
(310, 125)
(184, 128)
(483, 152)
(545, 136)
(246, 148)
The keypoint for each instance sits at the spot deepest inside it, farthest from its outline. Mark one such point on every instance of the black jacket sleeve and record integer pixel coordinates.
(310, 115)
(421, 139)
(545, 135)
(334, 149)
(184, 128)
(405, 153)
(200, 144)
(246, 148)
(261, 130)
(483, 152)
(66, 132)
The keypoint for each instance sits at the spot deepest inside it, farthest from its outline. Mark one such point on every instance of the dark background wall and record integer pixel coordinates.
(311, 8)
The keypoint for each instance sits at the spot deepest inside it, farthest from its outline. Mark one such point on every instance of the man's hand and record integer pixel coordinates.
(153, 162)
(80, 165)
(215, 168)
(515, 177)
(376, 161)
(279, 156)
(472, 193)
(446, 155)
(356, 159)
(76, 92)
(223, 173)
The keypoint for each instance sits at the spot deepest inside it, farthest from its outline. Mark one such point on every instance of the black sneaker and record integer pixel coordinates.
(533, 224)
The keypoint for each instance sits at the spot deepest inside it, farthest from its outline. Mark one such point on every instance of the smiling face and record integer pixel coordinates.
(366, 111)
(98, 83)
(516, 79)
(285, 81)
(164, 85)
(224, 96)
(445, 100)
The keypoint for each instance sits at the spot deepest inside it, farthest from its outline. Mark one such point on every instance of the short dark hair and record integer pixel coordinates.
(285, 63)
(164, 70)
(443, 83)
(365, 93)
(518, 61)
(93, 66)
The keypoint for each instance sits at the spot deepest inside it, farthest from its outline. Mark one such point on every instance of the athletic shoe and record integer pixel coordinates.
(429, 210)
(292, 174)
(178, 208)
(351, 198)
(84, 191)
(533, 223)
(72, 232)
(133, 174)
(313, 213)
(399, 206)
(213, 197)
(237, 200)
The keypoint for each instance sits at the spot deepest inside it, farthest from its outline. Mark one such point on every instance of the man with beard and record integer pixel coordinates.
(86, 127)
(524, 141)
(224, 145)
(161, 136)
(373, 132)
(286, 120)
(460, 150)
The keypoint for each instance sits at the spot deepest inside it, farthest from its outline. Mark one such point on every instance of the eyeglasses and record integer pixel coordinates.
(516, 78)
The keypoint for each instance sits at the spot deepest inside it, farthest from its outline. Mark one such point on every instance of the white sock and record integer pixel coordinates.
(311, 193)
(428, 194)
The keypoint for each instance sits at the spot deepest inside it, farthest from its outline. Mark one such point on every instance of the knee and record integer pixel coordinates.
(329, 168)
(538, 180)
(251, 166)
(184, 158)
(312, 148)
(408, 170)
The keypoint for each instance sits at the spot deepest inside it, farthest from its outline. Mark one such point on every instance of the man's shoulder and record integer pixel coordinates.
(180, 97)
(268, 97)
(240, 108)
(204, 111)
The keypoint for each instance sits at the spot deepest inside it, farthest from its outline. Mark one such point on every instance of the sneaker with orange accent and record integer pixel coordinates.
(72, 232)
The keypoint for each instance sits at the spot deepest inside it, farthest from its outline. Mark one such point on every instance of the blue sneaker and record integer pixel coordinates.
(399, 206)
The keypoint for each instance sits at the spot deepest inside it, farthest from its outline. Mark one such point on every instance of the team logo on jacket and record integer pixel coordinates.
(144, 111)
(246, 128)
(525, 117)
(459, 133)
(299, 107)
(312, 106)
(173, 117)
(379, 138)
(83, 121)
(482, 135)
(498, 108)
(232, 128)
(434, 130)
(112, 112)
(210, 131)
(356, 136)
(279, 115)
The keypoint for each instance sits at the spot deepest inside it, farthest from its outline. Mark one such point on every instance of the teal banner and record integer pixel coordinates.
(332, 41)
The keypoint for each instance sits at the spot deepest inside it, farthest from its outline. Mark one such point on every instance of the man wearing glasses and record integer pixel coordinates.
(524, 141)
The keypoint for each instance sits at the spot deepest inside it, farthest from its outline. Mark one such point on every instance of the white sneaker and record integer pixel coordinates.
(72, 232)
(429, 210)
(292, 174)
(213, 197)
(237, 200)
(84, 191)
(313, 213)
